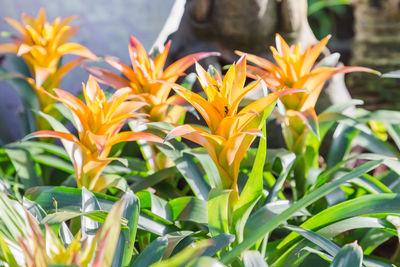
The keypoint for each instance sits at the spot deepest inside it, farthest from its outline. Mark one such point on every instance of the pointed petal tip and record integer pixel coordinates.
(239, 53)
(28, 137)
(133, 40)
(167, 138)
(242, 57)
(217, 54)
(378, 73)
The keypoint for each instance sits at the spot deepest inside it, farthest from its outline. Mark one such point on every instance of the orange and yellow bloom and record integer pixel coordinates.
(98, 123)
(140, 79)
(294, 69)
(231, 131)
(41, 44)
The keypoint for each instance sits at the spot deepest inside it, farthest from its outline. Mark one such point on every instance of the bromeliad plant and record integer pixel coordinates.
(294, 69)
(42, 44)
(98, 123)
(226, 203)
(230, 131)
(24, 243)
(140, 78)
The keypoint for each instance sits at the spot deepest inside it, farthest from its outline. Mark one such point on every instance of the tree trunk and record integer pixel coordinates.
(377, 42)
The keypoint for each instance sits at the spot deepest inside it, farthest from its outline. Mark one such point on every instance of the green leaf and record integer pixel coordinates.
(373, 239)
(189, 80)
(317, 239)
(65, 112)
(252, 190)
(49, 160)
(8, 256)
(23, 88)
(157, 206)
(13, 221)
(35, 209)
(375, 145)
(341, 107)
(302, 203)
(206, 261)
(37, 147)
(394, 132)
(189, 209)
(287, 160)
(61, 216)
(152, 253)
(218, 211)
(253, 258)
(341, 144)
(65, 234)
(220, 241)
(18, 64)
(349, 255)
(186, 166)
(174, 240)
(328, 173)
(371, 184)
(330, 61)
(67, 198)
(318, 5)
(24, 166)
(89, 204)
(209, 167)
(71, 198)
(361, 206)
(323, 255)
(392, 74)
(291, 255)
(110, 232)
(385, 116)
(70, 147)
(185, 256)
(154, 179)
(62, 265)
(267, 212)
(126, 241)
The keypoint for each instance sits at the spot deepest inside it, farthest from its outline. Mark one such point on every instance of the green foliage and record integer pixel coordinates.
(335, 200)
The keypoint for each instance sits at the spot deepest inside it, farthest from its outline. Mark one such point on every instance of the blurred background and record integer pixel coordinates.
(225, 25)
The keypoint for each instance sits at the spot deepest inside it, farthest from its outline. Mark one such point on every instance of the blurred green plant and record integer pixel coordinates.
(324, 15)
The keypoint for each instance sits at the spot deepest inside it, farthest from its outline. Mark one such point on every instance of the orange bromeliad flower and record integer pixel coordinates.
(294, 69)
(140, 78)
(98, 123)
(41, 44)
(231, 131)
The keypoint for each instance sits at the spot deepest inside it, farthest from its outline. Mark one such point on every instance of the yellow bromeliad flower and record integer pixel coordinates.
(295, 69)
(41, 44)
(140, 78)
(231, 131)
(98, 123)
